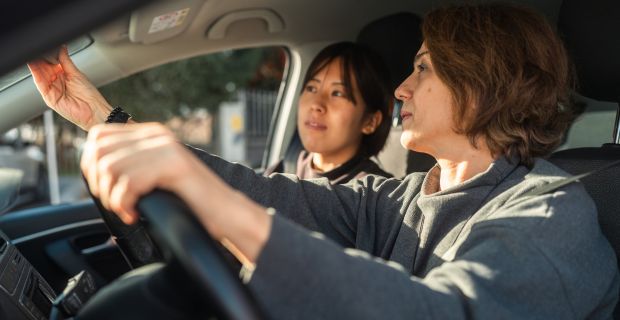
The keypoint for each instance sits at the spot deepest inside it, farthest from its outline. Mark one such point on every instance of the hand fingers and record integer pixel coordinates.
(123, 176)
(107, 172)
(87, 166)
(112, 155)
(66, 62)
(44, 74)
(117, 158)
(123, 203)
(127, 190)
(92, 153)
(104, 139)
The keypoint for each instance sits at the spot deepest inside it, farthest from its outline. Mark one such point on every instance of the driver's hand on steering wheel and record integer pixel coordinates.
(121, 163)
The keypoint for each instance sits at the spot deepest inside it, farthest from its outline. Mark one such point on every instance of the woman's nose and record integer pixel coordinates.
(318, 103)
(403, 92)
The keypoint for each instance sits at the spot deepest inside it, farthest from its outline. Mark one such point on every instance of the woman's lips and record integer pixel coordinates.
(404, 115)
(315, 125)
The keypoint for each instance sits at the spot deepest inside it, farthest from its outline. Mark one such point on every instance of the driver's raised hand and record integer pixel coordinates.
(67, 91)
(121, 163)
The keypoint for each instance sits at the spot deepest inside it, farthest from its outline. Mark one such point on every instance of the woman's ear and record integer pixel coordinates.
(372, 122)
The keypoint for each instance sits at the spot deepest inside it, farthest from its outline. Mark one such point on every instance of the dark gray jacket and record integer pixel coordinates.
(479, 250)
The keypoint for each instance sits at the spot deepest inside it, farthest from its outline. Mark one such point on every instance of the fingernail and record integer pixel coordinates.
(128, 218)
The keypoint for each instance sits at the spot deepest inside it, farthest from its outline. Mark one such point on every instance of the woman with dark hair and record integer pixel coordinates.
(344, 115)
(489, 96)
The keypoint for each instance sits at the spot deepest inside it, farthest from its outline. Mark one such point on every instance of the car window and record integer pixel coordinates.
(222, 102)
(23, 148)
(594, 127)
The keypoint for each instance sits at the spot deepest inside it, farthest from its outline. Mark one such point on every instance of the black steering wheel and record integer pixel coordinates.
(184, 242)
(174, 227)
(134, 242)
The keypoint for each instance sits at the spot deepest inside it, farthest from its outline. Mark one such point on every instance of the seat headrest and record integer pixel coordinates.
(590, 30)
(396, 38)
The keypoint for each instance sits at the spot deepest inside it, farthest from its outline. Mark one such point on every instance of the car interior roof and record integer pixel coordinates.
(310, 22)
(319, 21)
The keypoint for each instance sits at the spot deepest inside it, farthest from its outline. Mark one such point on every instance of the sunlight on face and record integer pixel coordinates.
(427, 107)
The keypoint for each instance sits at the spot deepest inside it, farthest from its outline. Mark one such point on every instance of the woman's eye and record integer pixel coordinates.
(310, 88)
(338, 94)
(421, 67)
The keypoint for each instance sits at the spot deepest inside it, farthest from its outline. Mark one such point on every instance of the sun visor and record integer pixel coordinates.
(162, 20)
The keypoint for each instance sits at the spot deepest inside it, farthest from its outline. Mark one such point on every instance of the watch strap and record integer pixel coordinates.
(118, 116)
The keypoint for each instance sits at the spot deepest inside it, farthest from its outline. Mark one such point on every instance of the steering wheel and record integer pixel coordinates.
(135, 244)
(175, 228)
(192, 251)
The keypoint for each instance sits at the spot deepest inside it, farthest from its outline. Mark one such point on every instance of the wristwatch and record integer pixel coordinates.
(118, 116)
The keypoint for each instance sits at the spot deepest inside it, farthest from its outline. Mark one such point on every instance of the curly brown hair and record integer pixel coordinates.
(509, 63)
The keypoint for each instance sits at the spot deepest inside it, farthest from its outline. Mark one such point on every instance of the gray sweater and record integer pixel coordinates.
(479, 250)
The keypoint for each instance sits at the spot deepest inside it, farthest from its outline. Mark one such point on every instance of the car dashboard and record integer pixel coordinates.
(24, 293)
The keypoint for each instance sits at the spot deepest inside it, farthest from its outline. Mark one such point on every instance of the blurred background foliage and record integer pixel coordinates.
(197, 83)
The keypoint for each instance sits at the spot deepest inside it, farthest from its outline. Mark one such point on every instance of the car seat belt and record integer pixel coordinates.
(568, 180)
